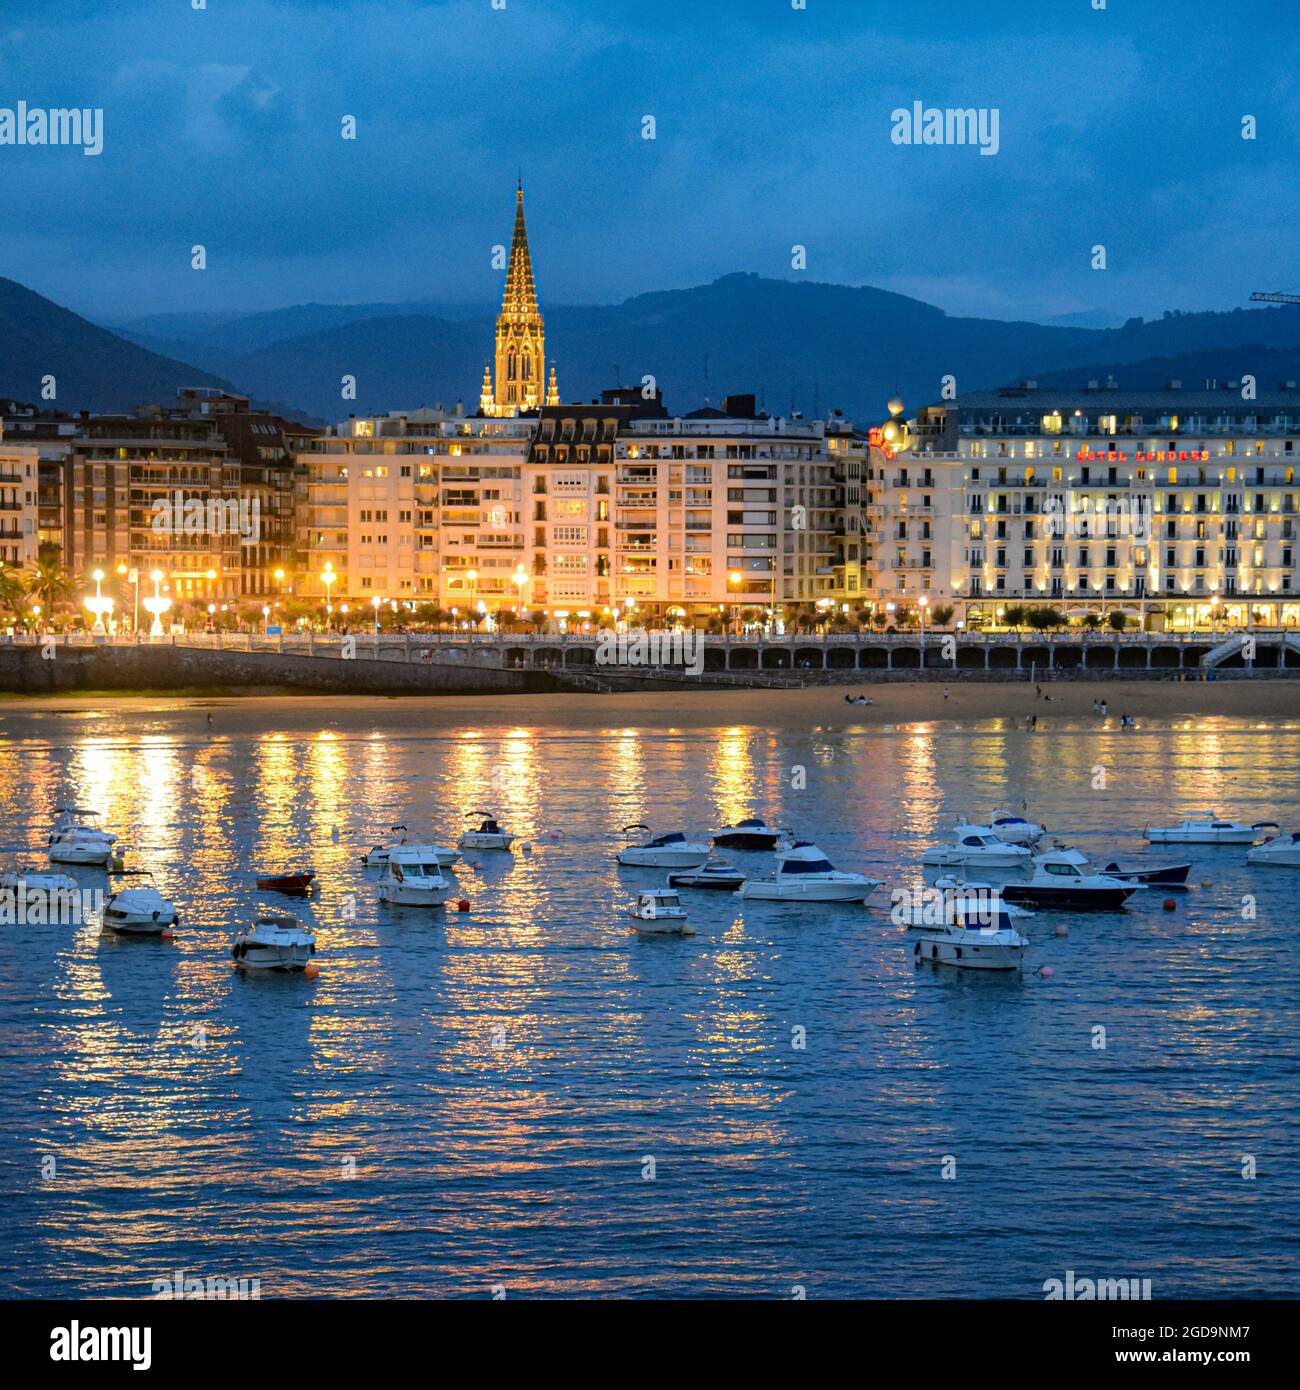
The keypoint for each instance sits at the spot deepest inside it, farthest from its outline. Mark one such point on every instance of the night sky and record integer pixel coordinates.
(773, 126)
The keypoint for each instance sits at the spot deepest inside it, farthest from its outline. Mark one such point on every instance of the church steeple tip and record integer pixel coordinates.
(520, 336)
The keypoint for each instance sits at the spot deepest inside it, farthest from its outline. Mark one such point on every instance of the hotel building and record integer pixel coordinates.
(1175, 504)
(19, 511)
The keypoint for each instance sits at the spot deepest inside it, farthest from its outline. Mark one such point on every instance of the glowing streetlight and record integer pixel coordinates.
(157, 605)
(100, 606)
(327, 577)
(377, 601)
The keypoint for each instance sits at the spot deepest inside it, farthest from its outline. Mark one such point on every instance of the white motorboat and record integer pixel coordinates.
(1207, 829)
(978, 845)
(78, 838)
(40, 898)
(140, 910)
(1282, 851)
(377, 856)
(441, 855)
(413, 879)
(1059, 881)
(671, 851)
(1014, 829)
(274, 942)
(998, 946)
(804, 874)
(489, 834)
(752, 833)
(716, 875)
(970, 896)
(659, 912)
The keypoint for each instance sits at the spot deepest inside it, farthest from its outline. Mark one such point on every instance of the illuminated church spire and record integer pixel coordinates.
(521, 335)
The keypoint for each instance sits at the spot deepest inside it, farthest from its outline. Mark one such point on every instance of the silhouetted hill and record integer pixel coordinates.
(806, 345)
(797, 344)
(1270, 367)
(93, 368)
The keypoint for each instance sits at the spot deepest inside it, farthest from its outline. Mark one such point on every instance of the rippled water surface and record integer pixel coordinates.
(526, 1095)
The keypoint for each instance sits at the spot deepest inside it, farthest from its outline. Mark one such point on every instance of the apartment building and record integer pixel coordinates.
(19, 510)
(1177, 505)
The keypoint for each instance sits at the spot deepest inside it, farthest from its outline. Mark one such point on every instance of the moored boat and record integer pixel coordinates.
(978, 846)
(489, 833)
(804, 874)
(659, 912)
(294, 884)
(412, 879)
(139, 909)
(78, 838)
(1207, 829)
(274, 942)
(716, 875)
(670, 851)
(1279, 852)
(998, 946)
(752, 834)
(1060, 882)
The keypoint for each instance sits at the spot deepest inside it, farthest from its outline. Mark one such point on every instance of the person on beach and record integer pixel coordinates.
(945, 692)
(1103, 709)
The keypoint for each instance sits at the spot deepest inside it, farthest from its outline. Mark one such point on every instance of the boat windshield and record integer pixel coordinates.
(672, 839)
(807, 866)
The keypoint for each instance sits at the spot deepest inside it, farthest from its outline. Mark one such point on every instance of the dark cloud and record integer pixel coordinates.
(222, 127)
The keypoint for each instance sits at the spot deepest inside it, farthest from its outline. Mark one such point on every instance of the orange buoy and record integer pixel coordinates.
(166, 934)
(311, 970)
(1170, 904)
(1047, 972)
(463, 905)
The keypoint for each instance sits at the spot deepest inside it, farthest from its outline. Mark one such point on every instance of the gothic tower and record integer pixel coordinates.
(521, 336)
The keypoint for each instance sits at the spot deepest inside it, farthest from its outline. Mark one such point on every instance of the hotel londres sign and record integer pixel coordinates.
(1086, 455)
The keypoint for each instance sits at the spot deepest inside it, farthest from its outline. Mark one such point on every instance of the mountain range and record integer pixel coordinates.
(797, 345)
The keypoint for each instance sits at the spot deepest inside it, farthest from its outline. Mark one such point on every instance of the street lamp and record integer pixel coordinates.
(377, 602)
(327, 577)
(266, 618)
(157, 605)
(99, 605)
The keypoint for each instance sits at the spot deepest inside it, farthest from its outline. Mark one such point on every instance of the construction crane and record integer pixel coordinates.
(1262, 297)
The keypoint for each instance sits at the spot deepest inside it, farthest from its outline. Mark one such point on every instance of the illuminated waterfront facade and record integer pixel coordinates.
(583, 509)
(1179, 506)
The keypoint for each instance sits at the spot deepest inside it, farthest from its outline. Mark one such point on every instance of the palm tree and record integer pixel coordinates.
(49, 583)
(11, 589)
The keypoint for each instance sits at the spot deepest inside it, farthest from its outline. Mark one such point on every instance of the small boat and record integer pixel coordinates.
(998, 946)
(1165, 876)
(1015, 830)
(40, 898)
(716, 875)
(78, 838)
(659, 912)
(377, 856)
(274, 942)
(970, 896)
(747, 834)
(411, 879)
(489, 834)
(140, 910)
(1281, 851)
(671, 851)
(297, 885)
(978, 845)
(1162, 876)
(804, 874)
(1207, 829)
(1060, 882)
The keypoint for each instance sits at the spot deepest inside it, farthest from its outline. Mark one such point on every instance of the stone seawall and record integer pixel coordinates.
(23, 670)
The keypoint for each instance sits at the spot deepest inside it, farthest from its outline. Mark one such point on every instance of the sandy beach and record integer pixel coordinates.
(1155, 702)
